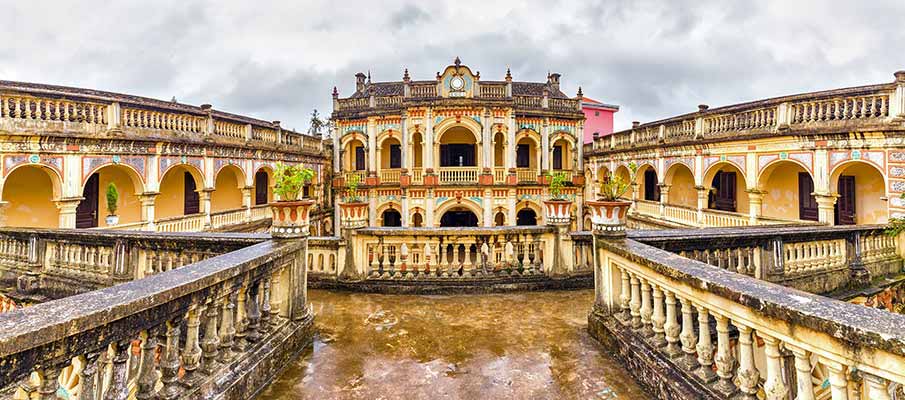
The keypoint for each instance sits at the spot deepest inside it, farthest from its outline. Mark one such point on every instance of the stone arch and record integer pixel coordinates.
(446, 125)
(268, 174)
(645, 191)
(383, 151)
(129, 183)
(135, 178)
(623, 173)
(383, 208)
(171, 198)
(228, 184)
(498, 139)
(532, 139)
(467, 204)
(538, 210)
(779, 183)
(567, 144)
(416, 217)
(417, 145)
(355, 135)
(870, 190)
(717, 166)
(31, 192)
(741, 188)
(680, 180)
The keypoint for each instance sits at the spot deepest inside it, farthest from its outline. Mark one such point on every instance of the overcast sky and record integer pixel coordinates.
(278, 61)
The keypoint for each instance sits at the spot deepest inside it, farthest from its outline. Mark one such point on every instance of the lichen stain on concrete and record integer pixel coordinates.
(495, 346)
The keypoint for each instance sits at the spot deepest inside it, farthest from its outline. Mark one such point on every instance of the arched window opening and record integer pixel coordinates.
(526, 217)
(392, 217)
(459, 217)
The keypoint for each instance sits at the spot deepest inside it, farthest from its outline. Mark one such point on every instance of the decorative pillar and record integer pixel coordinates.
(372, 148)
(67, 208)
(488, 207)
(748, 376)
(204, 200)
(510, 144)
(487, 140)
(724, 359)
(148, 211)
(430, 204)
(406, 218)
(545, 147)
(247, 196)
(404, 144)
(702, 202)
(803, 383)
(427, 152)
(826, 208)
(664, 198)
(877, 387)
(838, 379)
(755, 200)
(511, 204)
(774, 387)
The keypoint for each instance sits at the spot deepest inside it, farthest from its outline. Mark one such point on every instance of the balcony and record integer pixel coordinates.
(360, 174)
(390, 175)
(417, 176)
(499, 175)
(459, 175)
(526, 175)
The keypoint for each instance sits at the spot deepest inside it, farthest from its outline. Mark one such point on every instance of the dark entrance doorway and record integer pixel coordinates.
(190, 203)
(526, 217)
(651, 188)
(457, 155)
(261, 184)
(458, 217)
(807, 204)
(392, 217)
(723, 195)
(86, 212)
(845, 204)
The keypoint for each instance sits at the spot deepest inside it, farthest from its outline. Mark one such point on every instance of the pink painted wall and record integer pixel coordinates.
(598, 118)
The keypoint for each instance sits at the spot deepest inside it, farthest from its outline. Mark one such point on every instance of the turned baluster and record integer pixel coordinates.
(748, 376)
(169, 362)
(774, 387)
(803, 379)
(49, 382)
(211, 340)
(877, 387)
(657, 318)
(372, 254)
(724, 358)
(625, 297)
(687, 336)
(89, 387)
(442, 267)
(635, 303)
(646, 309)
(838, 379)
(466, 262)
(253, 313)
(704, 347)
(266, 310)
(239, 342)
(117, 389)
(227, 329)
(147, 373)
(191, 355)
(671, 328)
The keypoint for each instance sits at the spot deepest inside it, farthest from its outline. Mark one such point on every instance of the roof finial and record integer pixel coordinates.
(335, 92)
(405, 75)
(457, 61)
(369, 77)
(579, 92)
(508, 74)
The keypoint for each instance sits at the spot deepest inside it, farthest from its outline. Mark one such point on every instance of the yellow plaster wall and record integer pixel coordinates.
(781, 192)
(682, 191)
(457, 135)
(869, 189)
(226, 195)
(29, 192)
(349, 161)
(129, 205)
(417, 149)
(269, 189)
(566, 153)
(385, 153)
(499, 151)
(532, 152)
(171, 200)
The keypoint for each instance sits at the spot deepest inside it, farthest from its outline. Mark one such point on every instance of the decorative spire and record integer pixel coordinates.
(369, 77)
(580, 95)
(457, 62)
(508, 74)
(405, 76)
(335, 92)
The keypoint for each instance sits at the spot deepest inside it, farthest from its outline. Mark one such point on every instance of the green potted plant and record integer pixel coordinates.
(609, 211)
(290, 214)
(558, 206)
(353, 208)
(112, 205)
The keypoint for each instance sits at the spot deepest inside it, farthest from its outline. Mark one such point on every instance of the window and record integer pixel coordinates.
(359, 158)
(457, 155)
(522, 153)
(395, 156)
(596, 113)
(557, 157)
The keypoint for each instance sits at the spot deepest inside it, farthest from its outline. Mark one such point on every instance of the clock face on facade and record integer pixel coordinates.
(457, 83)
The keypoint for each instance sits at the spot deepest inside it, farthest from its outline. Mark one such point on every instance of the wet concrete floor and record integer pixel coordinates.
(496, 346)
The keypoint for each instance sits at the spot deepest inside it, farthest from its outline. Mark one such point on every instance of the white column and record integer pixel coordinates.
(406, 219)
(372, 207)
(372, 147)
(405, 145)
(838, 379)
(510, 144)
(774, 388)
(487, 141)
(488, 207)
(545, 146)
(579, 143)
(337, 158)
(429, 206)
(427, 153)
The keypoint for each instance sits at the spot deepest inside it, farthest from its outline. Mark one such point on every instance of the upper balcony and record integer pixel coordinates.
(858, 109)
(46, 110)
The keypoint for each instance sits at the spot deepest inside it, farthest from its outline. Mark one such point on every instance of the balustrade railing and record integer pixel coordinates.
(683, 215)
(388, 101)
(264, 134)
(225, 218)
(150, 119)
(360, 174)
(323, 255)
(493, 91)
(528, 101)
(19, 107)
(390, 175)
(417, 176)
(499, 175)
(458, 174)
(838, 109)
(429, 90)
(767, 338)
(229, 129)
(182, 223)
(567, 173)
(526, 175)
(679, 131)
(178, 334)
(755, 119)
(260, 212)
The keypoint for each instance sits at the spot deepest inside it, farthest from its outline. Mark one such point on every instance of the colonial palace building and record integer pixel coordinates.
(458, 150)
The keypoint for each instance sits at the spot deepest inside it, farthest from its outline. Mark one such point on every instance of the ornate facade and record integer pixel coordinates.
(457, 150)
(177, 167)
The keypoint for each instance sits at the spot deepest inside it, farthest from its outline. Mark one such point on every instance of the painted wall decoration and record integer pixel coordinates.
(167, 162)
(737, 160)
(14, 160)
(91, 164)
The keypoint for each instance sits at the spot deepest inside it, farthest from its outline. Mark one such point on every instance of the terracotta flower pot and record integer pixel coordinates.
(559, 212)
(290, 218)
(608, 217)
(353, 214)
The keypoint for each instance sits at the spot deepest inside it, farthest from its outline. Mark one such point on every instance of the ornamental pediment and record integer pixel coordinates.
(457, 81)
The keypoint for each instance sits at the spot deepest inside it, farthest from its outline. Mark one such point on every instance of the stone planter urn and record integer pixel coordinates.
(353, 214)
(608, 217)
(290, 218)
(559, 212)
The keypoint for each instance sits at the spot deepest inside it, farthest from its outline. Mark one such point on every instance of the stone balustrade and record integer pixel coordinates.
(219, 328)
(867, 106)
(689, 216)
(390, 175)
(689, 330)
(488, 92)
(526, 175)
(458, 175)
(817, 259)
(59, 263)
(27, 107)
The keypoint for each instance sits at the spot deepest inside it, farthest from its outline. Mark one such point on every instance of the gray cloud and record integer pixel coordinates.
(277, 61)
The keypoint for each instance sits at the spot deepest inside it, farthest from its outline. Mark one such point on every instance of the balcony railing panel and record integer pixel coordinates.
(458, 174)
(390, 175)
(526, 175)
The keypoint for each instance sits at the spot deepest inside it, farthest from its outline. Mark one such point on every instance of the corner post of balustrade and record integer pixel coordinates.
(858, 274)
(770, 263)
(664, 198)
(783, 116)
(30, 281)
(755, 201)
(294, 229)
(826, 208)
(204, 199)
(897, 100)
(247, 192)
(608, 228)
(114, 117)
(699, 121)
(67, 207)
(148, 210)
(209, 127)
(703, 191)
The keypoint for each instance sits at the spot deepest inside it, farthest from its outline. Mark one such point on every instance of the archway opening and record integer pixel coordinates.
(681, 184)
(861, 189)
(227, 194)
(561, 155)
(392, 217)
(390, 154)
(787, 192)
(92, 210)
(526, 154)
(354, 157)
(458, 217)
(263, 190)
(31, 191)
(649, 185)
(526, 217)
(727, 189)
(499, 219)
(417, 220)
(417, 150)
(178, 193)
(458, 148)
(499, 150)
